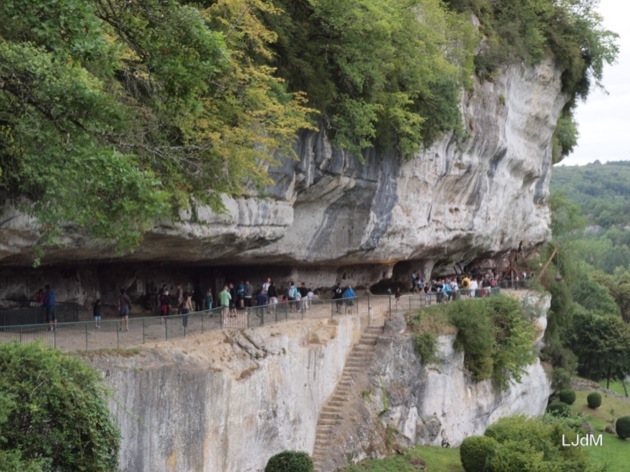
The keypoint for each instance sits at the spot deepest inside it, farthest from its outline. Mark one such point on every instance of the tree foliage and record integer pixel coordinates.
(602, 346)
(530, 444)
(53, 414)
(589, 274)
(570, 31)
(114, 113)
(382, 72)
(495, 337)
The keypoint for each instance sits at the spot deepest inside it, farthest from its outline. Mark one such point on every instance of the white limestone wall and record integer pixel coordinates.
(225, 403)
(464, 408)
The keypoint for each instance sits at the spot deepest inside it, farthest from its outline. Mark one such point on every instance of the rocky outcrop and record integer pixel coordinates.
(400, 401)
(327, 214)
(225, 402)
(228, 401)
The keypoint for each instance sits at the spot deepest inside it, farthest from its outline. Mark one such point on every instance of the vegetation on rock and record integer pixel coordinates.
(114, 114)
(493, 333)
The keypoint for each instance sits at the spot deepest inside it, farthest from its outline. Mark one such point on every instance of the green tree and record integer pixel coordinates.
(383, 73)
(114, 114)
(602, 346)
(619, 288)
(53, 414)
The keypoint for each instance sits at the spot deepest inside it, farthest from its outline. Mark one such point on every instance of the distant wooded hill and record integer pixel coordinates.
(602, 191)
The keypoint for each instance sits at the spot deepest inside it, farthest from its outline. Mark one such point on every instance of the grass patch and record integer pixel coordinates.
(433, 320)
(614, 452)
(615, 387)
(432, 458)
(119, 352)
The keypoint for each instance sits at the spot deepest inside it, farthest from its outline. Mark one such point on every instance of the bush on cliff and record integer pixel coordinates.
(290, 461)
(53, 414)
(495, 337)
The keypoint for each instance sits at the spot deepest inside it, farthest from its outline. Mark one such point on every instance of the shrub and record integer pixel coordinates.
(290, 461)
(559, 409)
(567, 396)
(516, 456)
(528, 444)
(594, 400)
(495, 338)
(426, 347)
(53, 412)
(475, 451)
(623, 427)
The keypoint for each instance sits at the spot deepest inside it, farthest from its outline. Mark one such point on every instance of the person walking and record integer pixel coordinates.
(186, 308)
(50, 307)
(96, 313)
(124, 307)
(209, 299)
(225, 299)
(349, 296)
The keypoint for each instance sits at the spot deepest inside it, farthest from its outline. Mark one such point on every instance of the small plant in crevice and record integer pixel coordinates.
(426, 344)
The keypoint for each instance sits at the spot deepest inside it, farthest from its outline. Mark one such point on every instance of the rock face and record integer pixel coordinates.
(328, 215)
(401, 401)
(227, 402)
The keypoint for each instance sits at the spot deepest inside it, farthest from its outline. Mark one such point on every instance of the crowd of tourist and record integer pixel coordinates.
(240, 296)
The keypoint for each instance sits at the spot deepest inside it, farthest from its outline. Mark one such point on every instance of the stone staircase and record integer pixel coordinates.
(332, 413)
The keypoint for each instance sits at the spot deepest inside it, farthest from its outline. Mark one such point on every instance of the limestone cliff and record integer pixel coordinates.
(227, 402)
(328, 214)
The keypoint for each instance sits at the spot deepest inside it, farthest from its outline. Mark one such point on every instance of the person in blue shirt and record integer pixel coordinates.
(50, 306)
(447, 290)
(349, 296)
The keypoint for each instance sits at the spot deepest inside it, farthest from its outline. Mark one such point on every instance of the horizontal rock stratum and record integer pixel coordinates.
(460, 200)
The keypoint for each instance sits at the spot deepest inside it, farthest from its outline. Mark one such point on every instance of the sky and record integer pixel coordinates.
(604, 119)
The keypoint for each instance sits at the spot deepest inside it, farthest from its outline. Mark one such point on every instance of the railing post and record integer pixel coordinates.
(390, 304)
(117, 336)
(369, 310)
(86, 336)
(143, 330)
(166, 328)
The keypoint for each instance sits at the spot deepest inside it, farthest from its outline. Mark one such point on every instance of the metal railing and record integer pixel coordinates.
(113, 334)
(119, 334)
(37, 314)
(415, 301)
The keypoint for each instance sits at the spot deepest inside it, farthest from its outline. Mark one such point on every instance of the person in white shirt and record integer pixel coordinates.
(474, 286)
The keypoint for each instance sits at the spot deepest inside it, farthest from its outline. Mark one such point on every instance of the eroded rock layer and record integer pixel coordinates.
(460, 200)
